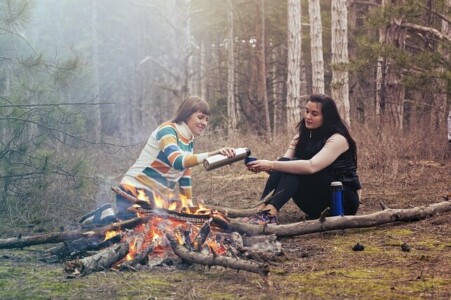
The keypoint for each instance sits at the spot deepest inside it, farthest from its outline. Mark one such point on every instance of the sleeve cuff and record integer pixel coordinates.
(201, 157)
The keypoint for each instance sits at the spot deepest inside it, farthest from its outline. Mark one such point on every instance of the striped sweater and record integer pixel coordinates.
(166, 160)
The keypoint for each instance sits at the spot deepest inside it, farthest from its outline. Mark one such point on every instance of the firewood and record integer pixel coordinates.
(140, 258)
(99, 262)
(215, 260)
(59, 237)
(240, 213)
(144, 204)
(233, 212)
(388, 215)
(78, 248)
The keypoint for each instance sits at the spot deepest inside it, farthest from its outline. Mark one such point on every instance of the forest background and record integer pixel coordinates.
(84, 83)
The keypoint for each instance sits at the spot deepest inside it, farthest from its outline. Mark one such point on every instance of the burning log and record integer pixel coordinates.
(79, 247)
(99, 262)
(388, 215)
(215, 260)
(65, 236)
(144, 204)
(138, 259)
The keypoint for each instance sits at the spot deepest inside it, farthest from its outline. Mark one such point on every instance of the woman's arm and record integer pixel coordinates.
(334, 147)
(290, 153)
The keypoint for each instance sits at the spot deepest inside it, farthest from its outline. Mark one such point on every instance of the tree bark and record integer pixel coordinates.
(99, 262)
(316, 40)
(262, 93)
(340, 59)
(232, 120)
(294, 63)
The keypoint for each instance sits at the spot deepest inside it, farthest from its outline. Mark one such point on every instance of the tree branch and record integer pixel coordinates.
(430, 30)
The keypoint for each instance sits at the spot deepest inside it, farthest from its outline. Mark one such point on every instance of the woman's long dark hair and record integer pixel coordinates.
(332, 123)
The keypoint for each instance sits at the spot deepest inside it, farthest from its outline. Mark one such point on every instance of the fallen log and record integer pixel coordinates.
(64, 236)
(215, 260)
(101, 261)
(385, 216)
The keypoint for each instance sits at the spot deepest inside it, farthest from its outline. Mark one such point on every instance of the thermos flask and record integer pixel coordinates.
(336, 198)
(219, 160)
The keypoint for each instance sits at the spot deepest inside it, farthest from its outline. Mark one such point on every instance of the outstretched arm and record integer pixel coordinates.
(334, 147)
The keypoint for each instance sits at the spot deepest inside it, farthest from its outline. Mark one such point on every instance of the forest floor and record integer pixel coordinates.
(313, 266)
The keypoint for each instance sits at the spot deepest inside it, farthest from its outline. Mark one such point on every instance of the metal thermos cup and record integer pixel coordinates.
(219, 160)
(336, 199)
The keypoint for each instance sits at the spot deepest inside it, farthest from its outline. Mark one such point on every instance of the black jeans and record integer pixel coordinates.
(311, 193)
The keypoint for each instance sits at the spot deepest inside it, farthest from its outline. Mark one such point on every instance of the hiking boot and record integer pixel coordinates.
(101, 216)
(262, 217)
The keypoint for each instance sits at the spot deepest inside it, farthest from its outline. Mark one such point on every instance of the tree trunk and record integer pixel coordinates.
(340, 59)
(294, 63)
(316, 40)
(395, 90)
(437, 115)
(231, 105)
(95, 68)
(262, 94)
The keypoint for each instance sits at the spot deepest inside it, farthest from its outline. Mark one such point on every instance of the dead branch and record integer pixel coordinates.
(213, 260)
(388, 215)
(430, 30)
(59, 237)
(233, 212)
(133, 199)
(240, 213)
(101, 261)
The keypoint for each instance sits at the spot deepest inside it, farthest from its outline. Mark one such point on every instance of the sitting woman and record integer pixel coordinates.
(323, 151)
(167, 157)
(165, 162)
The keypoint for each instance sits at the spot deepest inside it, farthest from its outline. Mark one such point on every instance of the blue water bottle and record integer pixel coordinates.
(336, 199)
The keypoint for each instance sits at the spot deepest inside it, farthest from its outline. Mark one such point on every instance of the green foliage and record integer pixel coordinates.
(39, 126)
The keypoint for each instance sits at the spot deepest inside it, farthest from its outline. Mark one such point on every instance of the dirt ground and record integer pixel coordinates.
(313, 266)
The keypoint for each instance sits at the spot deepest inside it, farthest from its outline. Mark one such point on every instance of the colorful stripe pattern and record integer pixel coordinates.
(166, 160)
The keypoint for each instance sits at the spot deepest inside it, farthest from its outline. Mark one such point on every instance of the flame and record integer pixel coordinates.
(110, 234)
(131, 250)
(152, 234)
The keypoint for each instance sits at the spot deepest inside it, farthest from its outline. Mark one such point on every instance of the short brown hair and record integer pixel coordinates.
(190, 105)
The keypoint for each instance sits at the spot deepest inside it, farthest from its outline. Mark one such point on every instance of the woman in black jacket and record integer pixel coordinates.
(323, 151)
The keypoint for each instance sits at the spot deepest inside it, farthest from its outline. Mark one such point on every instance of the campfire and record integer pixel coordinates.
(164, 230)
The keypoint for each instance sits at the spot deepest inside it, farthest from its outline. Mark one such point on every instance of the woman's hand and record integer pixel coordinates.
(260, 165)
(226, 151)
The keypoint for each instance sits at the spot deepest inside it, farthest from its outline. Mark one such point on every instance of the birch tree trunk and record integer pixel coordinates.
(231, 107)
(203, 72)
(95, 67)
(262, 94)
(316, 40)
(340, 59)
(294, 63)
(278, 99)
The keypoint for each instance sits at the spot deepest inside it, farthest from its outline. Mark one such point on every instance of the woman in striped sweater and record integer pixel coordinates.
(167, 158)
